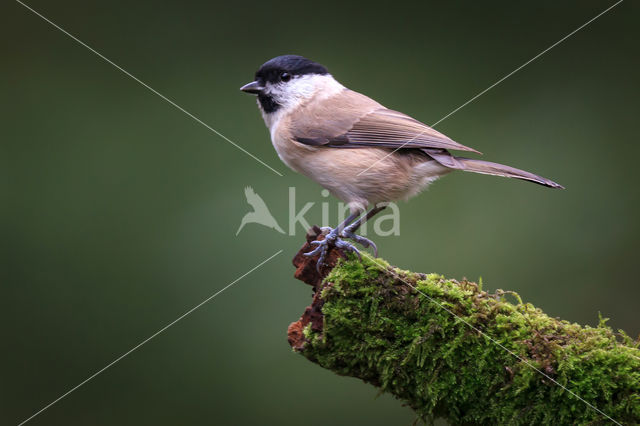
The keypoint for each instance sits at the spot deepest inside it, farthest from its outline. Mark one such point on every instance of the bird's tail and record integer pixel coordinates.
(495, 169)
(488, 168)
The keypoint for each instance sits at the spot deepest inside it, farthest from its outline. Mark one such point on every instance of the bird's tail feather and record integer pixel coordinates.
(495, 169)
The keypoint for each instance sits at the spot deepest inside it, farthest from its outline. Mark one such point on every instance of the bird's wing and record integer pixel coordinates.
(352, 120)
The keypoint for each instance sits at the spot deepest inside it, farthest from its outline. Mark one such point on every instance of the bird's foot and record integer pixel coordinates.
(331, 239)
(334, 239)
(364, 242)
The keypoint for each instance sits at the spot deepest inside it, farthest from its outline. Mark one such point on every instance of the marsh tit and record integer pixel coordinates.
(363, 153)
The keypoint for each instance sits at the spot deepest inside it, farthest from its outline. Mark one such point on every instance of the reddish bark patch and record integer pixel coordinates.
(307, 273)
(306, 266)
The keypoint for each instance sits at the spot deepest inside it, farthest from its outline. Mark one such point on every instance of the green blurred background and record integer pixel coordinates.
(120, 212)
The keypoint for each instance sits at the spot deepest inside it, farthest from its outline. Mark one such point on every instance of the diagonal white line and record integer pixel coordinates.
(149, 88)
(491, 339)
(148, 338)
(497, 82)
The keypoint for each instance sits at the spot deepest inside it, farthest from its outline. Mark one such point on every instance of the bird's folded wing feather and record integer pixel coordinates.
(352, 120)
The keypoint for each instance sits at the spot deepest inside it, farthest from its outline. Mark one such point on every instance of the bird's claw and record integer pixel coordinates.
(364, 242)
(316, 250)
(332, 239)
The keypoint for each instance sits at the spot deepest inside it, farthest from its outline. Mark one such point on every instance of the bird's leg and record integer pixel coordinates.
(332, 239)
(346, 230)
(349, 231)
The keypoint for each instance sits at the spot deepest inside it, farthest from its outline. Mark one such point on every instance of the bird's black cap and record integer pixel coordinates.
(271, 70)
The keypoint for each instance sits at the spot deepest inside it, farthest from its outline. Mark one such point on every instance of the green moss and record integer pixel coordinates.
(405, 339)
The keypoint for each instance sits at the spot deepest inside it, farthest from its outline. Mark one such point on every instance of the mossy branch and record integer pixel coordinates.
(397, 331)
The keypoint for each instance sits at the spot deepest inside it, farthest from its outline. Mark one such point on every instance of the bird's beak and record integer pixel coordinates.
(253, 87)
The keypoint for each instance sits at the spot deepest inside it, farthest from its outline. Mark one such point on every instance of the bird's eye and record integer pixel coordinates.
(285, 76)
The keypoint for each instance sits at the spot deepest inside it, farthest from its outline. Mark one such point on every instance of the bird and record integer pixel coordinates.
(365, 154)
(260, 213)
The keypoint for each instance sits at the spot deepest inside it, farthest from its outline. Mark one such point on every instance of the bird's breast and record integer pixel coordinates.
(294, 154)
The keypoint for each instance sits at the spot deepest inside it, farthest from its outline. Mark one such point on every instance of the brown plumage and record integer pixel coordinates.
(349, 119)
(384, 128)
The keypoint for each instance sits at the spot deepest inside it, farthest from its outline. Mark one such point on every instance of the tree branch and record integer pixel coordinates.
(449, 349)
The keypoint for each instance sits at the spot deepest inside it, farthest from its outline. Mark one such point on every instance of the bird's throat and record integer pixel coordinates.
(268, 103)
